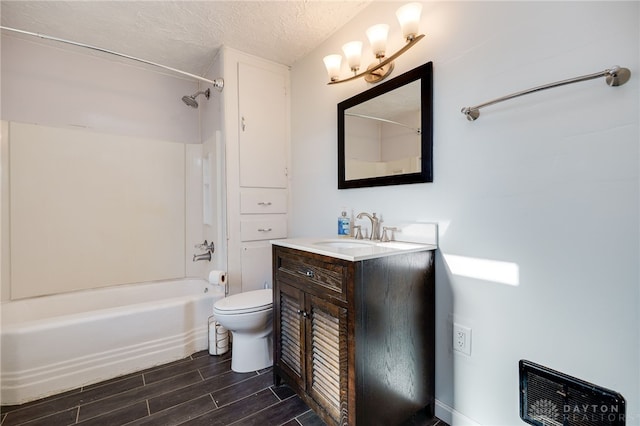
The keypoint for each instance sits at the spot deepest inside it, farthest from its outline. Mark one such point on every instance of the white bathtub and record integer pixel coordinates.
(56, 343)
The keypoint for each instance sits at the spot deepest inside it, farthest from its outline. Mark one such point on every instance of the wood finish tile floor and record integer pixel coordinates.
(198, 390)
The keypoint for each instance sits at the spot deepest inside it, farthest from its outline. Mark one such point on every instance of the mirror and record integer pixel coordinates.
(385, 134)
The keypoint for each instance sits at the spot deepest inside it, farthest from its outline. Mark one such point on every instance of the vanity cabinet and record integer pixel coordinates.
(355, 340)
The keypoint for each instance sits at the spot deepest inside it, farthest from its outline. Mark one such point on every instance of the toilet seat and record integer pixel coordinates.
(242, 303)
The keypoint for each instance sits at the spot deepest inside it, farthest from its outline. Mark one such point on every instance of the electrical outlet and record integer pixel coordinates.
(462, 339)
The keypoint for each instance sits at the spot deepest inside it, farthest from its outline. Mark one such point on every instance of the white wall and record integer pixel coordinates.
(547, 184)
(44, 84)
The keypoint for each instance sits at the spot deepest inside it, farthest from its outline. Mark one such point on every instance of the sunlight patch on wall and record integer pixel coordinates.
(484, 269)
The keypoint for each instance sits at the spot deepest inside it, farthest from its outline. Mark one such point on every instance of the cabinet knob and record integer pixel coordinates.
(308, 273)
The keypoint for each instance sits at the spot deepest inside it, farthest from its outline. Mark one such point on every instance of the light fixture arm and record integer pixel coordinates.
(387, 61)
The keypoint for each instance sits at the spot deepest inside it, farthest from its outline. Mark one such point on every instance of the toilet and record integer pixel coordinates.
(248, 316)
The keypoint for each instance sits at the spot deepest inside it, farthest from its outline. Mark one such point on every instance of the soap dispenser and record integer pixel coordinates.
(344, 224)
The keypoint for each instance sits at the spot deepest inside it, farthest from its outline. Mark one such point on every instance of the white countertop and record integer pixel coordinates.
(350, 248)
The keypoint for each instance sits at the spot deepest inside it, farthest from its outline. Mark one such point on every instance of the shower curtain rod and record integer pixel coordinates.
(217, 83)
(615, 76)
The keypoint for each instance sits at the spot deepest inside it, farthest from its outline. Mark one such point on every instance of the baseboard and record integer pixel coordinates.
(451, 416)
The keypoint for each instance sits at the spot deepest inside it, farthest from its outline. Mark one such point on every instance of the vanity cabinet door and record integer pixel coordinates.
(289, 332)
(327, 367)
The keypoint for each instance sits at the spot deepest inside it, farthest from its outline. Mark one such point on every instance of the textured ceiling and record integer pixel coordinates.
(186, 34)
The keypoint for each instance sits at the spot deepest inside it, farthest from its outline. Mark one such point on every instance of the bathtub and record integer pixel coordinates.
(51, 344)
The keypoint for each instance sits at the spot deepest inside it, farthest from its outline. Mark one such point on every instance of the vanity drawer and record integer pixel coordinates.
(326, 272)
(263, 227)
(263, 201)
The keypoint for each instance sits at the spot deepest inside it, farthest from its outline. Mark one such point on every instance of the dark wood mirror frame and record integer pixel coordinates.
(424, 73)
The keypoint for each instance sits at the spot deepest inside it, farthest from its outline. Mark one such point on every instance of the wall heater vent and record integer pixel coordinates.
(551, 398)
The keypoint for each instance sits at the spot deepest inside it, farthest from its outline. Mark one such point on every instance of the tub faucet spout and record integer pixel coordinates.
(203, 256)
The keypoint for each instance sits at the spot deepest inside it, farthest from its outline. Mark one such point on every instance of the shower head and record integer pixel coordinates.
(191, 100)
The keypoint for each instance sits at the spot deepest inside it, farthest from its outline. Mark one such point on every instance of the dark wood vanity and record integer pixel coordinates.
(355, 339)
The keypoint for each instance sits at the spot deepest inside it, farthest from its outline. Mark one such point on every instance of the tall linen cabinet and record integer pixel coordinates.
(257, 146)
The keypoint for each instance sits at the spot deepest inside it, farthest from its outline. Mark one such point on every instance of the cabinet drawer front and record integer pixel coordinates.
(254, 228)
(313, 271)
(266, 201)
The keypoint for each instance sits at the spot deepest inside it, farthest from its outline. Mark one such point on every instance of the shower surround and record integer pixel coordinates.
(109, 230)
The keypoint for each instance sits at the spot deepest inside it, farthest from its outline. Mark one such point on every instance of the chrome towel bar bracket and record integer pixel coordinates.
(614, 76)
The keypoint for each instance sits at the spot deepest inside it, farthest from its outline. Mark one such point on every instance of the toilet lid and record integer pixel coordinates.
(246, 302)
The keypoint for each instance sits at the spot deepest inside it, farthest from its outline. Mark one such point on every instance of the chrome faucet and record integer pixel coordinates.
(385, 237)
(358, 232)
(203, 256)
(375, 225)
(209, 247)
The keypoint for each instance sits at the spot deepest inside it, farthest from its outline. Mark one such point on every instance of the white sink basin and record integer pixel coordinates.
(397, 245)
(343, 243)
(348, 244)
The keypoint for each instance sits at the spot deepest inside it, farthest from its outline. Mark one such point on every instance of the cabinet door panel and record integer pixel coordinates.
(256, 265)
(263, 127)
(290, 343)
(327, 356)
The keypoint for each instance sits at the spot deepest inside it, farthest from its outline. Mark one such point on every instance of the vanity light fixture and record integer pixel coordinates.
(409, 18)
